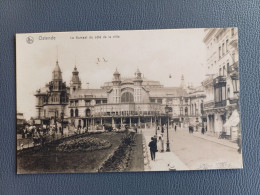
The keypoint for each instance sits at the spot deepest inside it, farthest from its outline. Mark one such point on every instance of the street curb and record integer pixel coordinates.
(234, 147)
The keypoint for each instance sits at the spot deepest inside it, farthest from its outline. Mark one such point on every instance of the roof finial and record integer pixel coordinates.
(75, 63)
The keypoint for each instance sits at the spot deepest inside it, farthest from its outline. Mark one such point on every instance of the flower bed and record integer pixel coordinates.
(119, 161)
(83, 144)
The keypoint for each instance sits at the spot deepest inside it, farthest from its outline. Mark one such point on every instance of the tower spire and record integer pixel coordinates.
(57, 53)
(75, 63)
(182, 85)
(75, 82)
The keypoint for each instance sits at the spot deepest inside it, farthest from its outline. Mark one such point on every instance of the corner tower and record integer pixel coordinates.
(116, 87)
(57, 77)
(75, 83)
(138, 86)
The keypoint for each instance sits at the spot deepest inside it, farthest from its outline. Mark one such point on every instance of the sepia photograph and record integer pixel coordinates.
(128, 101)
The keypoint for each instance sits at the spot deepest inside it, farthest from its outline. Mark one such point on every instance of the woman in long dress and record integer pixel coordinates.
(160, 144)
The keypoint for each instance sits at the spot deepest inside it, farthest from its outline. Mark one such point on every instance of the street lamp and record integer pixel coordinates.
(102, 122)
(112, 118)
(139, 112)
(155, 116)
(87, 120)
(62, 117)
(55, 120)
(167, 110)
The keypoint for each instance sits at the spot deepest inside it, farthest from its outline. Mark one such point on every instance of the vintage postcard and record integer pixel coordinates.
(116, 101)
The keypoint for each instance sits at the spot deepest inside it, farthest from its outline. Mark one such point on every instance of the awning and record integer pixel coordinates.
(233, 120)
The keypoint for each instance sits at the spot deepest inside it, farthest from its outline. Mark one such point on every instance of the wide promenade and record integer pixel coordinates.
(192, 151)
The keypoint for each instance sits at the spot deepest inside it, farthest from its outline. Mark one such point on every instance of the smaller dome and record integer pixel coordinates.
(75, 71)
(57, 67)
(116, 72)
(56, 74)
(137, 71)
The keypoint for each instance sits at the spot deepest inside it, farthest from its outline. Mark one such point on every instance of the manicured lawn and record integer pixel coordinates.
(48, 160)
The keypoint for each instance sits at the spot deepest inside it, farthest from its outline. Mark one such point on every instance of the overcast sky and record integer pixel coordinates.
(157, 53)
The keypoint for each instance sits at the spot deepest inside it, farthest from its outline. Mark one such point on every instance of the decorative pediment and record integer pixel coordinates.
(127, 88)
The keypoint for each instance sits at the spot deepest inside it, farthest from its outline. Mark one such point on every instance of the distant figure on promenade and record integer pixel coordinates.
(190, 129)
(160, 144)
(202, 130)
(175, 128)
(153, 148)
(163, 127)
(136, 128)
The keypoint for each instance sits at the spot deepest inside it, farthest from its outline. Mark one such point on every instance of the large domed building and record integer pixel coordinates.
(124, 100)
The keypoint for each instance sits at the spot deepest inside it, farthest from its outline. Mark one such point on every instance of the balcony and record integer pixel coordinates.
(220, 81)
(220, 104)
(209, 104)
(233, 68)
(233, 101)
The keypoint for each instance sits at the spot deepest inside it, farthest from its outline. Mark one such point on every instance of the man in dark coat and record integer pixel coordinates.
(203, 130)
(153, 148)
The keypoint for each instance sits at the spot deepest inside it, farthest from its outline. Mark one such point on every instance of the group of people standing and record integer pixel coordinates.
(156, 145)
(203, 129)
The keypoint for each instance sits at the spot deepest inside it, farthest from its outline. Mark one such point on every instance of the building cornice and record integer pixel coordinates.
(209, 34)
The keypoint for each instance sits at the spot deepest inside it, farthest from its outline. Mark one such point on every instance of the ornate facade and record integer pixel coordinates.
(132, 100)
(222, 59)
(52, 100)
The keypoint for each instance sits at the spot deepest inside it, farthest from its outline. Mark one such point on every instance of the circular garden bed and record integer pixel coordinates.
(83, 144)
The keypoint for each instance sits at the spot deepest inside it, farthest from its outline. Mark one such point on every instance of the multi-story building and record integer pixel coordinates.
(52, 100)
(133, 100)
(197, 96)
(20, 122)
(124, 100)
(222, 58)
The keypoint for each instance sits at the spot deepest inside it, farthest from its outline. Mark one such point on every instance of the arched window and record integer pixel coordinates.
(76, 113)
(186, 111)
(127, 97)
(195, 106)
(192, 109)
(71, 112)
(87, 112)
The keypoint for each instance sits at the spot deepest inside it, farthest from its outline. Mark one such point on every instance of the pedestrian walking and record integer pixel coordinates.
(202, 130)
(175, 128)
(153, 148)
(160, 144)
(23, 133)
(136, 128)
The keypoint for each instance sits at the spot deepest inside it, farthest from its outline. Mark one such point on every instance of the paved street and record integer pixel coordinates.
(197, 151)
